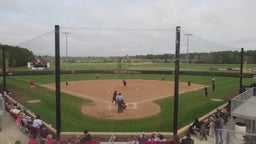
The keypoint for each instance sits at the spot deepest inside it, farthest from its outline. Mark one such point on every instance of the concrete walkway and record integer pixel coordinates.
(10, 132)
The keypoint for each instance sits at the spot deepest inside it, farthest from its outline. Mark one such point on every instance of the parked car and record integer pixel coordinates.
(234, 69)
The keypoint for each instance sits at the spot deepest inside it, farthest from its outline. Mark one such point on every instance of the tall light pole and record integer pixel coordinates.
(188, 35)
(66, 34)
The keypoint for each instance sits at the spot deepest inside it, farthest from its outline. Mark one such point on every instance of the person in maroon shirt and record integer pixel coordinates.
(85, 137)
(114, 97)
(124, 83)
(206, 91)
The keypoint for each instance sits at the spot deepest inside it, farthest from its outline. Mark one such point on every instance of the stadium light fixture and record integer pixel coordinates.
(188, 35)
(66, 34)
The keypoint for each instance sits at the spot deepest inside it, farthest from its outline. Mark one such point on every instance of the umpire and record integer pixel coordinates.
(119, 100)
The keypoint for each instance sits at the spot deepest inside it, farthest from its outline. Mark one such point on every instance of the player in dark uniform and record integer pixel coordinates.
(124, 83)
(114, 97)
(206, 91)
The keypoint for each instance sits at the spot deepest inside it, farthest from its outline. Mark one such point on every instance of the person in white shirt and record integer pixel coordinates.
(37, 122)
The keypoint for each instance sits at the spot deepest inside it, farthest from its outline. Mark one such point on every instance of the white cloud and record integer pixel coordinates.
(228, 22)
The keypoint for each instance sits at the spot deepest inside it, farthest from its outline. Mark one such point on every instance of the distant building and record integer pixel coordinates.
(38, 64)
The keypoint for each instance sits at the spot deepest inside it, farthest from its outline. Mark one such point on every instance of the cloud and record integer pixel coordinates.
(213, 24)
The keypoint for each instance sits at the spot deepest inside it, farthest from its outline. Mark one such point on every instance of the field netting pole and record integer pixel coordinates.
(176, 83)
(241, 70)
(57, 80)
(4, 70)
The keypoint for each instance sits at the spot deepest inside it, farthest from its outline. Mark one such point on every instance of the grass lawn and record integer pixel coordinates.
(191, 105)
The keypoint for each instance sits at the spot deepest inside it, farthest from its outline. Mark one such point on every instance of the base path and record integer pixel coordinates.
(139, 96)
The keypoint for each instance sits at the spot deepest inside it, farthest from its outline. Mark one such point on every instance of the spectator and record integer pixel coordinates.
(187, 140)
(2, 104)
(195, 126)
(176, 139)
(153, 137)
(133, 140)
(85, 137)
(203, 132)
(218, 126)
(49, 139)
(211, 126)
(160, 137)
(33, 139)
(143, 137)
(37, 122)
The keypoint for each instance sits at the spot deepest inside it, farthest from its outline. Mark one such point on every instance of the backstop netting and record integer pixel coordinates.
(119, 45)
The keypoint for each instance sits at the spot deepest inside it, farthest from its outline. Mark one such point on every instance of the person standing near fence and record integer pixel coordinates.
(213, 83)
(1, 111)
(86, 137)
(219, 122)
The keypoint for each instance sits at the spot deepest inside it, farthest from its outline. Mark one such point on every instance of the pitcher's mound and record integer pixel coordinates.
(34, 101)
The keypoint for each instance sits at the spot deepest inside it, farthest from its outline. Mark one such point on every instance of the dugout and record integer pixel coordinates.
(243, 116)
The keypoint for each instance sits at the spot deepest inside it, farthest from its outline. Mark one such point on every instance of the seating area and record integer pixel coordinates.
(205, 127)
(24, 119)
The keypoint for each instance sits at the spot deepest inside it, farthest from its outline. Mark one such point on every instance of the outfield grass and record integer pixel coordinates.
(191, 105)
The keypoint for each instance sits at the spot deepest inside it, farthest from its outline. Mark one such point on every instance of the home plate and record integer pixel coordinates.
(131, 105)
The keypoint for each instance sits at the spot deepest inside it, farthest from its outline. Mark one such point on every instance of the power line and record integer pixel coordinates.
(200, 38)
(122, 29)
(37, 37)
(188, 35)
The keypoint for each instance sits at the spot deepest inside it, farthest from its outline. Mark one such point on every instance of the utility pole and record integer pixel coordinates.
(66, 34)
(188, 35)
(57, 81)
(176, 81)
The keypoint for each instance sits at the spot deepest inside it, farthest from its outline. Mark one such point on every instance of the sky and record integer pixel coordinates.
(128, 27)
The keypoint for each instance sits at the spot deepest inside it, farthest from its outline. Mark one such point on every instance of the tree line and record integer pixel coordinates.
(220, 57)
(18, 57)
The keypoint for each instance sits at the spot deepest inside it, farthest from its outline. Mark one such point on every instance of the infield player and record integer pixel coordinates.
(124, 82)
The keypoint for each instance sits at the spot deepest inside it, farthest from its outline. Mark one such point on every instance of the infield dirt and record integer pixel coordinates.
(139, 96)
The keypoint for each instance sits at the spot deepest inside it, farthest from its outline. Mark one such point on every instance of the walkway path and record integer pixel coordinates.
(10, 132)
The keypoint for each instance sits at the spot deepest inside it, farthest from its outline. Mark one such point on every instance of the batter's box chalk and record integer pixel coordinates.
(131, 105)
